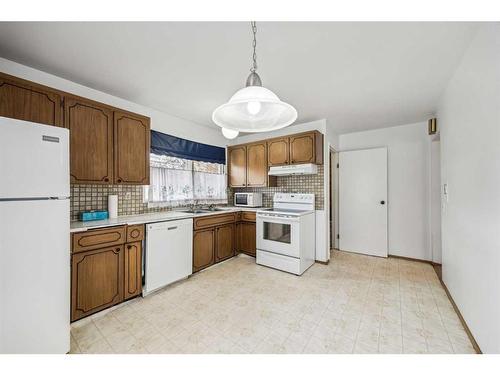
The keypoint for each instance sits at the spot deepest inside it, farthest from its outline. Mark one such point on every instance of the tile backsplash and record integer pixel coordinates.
(291, 184)
(130, 197)
(95, 197)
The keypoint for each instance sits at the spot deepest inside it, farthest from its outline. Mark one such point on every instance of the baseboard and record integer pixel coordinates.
(321, 262)
(462, 320)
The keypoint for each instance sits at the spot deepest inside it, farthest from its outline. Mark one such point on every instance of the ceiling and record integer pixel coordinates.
(358, 76)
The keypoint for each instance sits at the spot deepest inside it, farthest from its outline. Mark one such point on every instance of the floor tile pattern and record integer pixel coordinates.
(356, 304)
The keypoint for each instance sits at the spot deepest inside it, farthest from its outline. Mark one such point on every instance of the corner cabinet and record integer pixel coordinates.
(91, 141)
(28, 101)
(131, 149)
(247, 166)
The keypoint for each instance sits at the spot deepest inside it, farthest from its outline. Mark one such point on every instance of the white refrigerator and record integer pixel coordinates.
(34, 238)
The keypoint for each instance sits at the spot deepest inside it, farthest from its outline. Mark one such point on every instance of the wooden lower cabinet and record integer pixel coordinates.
(109, 274)
(133, 270)
(224, 241)
(246, 238)
(97, 280)
(203, 249)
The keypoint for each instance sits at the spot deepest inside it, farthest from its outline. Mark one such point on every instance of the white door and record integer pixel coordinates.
(363, 201)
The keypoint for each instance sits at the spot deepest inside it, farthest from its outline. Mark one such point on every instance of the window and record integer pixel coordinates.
(176, 182)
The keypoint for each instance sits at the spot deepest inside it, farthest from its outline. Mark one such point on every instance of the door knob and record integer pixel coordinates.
(382, 202)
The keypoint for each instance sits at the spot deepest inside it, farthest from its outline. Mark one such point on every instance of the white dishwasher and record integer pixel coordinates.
(169, 253)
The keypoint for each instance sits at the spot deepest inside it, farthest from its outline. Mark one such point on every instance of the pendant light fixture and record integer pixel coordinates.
(254, 108)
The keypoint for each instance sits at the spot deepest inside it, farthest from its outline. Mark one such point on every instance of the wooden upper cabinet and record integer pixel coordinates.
(23, 100)
(97, 280)
(132, 148)
(306, 148)
(257, 164)
(278, 151)
(91, 141)
(237, 167)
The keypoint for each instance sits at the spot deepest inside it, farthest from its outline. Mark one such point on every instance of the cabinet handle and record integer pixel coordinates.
(129, 246)
(117, 250)
(119, 180)
(106, 179)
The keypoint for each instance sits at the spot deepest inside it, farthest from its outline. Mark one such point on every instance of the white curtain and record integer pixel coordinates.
(177, 182)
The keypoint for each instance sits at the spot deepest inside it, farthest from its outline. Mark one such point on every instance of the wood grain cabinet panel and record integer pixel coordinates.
(133, 270)
(224, 242)
(248, 216)
(306, 148)
(131, 149)
(302, 149)
(213, 220)
(257, 164)
(24, 100)
(98, 238)
(91, 141)
(135, 233)
(96, 281)
(246, 238)
(237, 166)
(203, 249)
(278, 151)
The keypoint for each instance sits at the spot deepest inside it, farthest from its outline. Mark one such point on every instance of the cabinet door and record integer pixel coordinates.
(22, 100)
(278, 151)
(96, 280)
(257, 164)
(91, 141)
(247, 241)
(131, 152)
(302, 148)
(224, 242)
(237, 166)
(133, 269)
(203, 249)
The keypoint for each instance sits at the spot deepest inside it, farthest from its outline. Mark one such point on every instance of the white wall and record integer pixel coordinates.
(435, 224)
(408, 184)
(322, 232)
(469, 118)
(160, 121)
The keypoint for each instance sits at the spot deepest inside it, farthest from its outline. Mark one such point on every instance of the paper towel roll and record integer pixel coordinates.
(113, 206)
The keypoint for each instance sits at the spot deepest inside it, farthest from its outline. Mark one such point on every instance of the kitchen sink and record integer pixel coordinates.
(194, 211)
(205, 210)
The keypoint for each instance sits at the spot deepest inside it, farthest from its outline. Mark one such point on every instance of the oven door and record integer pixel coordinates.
(278, 234)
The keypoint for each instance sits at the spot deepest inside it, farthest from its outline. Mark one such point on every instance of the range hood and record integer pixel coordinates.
(295, 169)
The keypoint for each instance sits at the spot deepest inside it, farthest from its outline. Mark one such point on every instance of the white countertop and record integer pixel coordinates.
(81, 226)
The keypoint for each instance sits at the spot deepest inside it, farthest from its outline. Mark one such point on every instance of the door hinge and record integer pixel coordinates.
(337, 165)
(338, 236)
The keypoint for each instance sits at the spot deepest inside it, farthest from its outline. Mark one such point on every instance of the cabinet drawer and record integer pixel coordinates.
(213, 220)
(248, 216)
(98, 238)
(135, 233)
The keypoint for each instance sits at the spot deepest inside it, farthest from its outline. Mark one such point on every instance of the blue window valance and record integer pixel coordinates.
(164, 144)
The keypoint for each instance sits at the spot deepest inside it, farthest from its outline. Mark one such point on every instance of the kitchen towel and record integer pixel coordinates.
(113, 206)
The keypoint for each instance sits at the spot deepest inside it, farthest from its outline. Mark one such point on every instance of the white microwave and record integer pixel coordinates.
(248, 199)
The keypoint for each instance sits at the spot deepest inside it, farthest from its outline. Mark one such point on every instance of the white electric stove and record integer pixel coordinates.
(286, 233)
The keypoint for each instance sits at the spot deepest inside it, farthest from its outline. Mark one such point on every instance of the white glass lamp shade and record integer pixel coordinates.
(230, 133)
(254, 109)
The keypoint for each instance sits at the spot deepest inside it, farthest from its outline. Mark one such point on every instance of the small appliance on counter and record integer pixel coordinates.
(286, 234)
(248, 199)
(93, 215)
